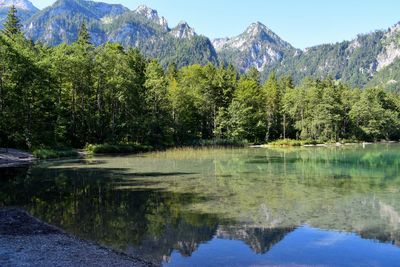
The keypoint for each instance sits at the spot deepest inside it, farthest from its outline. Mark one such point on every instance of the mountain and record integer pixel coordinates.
(257, 47)
(142, 28)
(60, 22)
(369, 60)
(183, 31)
(24, 8)
(388, 61)
(354, 62)
(152, 15)
(260, 240)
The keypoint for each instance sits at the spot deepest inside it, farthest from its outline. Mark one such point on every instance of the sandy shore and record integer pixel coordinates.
(13, 157)
(26, 241)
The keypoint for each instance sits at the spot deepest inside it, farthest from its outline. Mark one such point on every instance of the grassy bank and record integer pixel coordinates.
(55, 153)
(220, 143)
(291, 142)
(294, 143)
(132, 148)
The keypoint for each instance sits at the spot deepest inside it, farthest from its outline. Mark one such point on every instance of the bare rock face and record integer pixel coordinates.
(391, 50)
(183, 31)
(257, 47)
(19, 4)
(152, 15)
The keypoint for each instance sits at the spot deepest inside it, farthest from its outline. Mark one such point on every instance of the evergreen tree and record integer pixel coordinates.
(83, 35)
(12, 26)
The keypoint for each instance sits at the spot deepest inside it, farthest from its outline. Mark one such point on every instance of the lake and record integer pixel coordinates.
(336, 206)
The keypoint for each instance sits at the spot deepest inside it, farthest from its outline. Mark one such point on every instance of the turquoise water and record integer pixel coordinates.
(226, 207)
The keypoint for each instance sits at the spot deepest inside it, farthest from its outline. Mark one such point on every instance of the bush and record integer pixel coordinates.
(129, 148)
(291, 142)
(286, 142)
(50, 153)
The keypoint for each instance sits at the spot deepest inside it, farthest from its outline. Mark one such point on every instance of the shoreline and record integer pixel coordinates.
(12, 157)
(338, 144)
(16, 158)
(27, 241)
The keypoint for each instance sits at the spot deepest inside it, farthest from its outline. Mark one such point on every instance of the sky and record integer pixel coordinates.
(303, 23)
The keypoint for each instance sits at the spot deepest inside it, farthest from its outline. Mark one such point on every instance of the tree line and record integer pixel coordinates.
(73, 95)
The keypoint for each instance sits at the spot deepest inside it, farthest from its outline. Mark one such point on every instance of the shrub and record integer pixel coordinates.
(291, 142)
(127, 148)
(50, 153)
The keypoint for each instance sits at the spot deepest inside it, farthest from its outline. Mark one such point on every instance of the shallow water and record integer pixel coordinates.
(232, 207)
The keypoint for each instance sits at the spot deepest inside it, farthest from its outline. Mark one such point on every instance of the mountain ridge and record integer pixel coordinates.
(355, 61)
(256, 47)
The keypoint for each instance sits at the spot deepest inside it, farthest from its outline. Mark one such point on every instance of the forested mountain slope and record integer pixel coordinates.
(142, 28)
(369, 59)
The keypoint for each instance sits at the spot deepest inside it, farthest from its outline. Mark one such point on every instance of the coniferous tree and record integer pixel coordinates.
(83, 35)
(12, 25)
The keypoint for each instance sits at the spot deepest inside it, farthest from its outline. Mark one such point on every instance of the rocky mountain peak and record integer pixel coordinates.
(391, 47)
(183, 31)
(152, 15)
(395, 29)
(261, 33)
(256, 28)
(257, 46)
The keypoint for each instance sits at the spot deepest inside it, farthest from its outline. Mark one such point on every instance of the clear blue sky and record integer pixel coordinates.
(303, 23)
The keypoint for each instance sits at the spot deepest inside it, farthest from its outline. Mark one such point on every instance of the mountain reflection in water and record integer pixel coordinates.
(172, 207)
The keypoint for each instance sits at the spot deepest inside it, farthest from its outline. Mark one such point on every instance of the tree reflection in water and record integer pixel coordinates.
(177, 200)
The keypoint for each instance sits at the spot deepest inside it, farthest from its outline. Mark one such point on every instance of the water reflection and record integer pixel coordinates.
(170, 206)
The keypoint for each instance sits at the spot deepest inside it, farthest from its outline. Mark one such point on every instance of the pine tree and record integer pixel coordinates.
(12, 25)
(83, 35)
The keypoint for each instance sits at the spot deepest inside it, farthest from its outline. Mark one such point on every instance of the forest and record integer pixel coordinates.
(80, 94)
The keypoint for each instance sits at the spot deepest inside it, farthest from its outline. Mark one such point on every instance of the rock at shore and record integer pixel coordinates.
(12, 157)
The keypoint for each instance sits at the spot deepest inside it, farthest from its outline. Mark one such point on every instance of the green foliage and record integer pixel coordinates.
(291, 142)
(12, 26)
(72, 95)
(158, 105)
(376, 115)
(388, 78)
(83, 35)
(246, 116)
(117, 148)
(45, 153)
